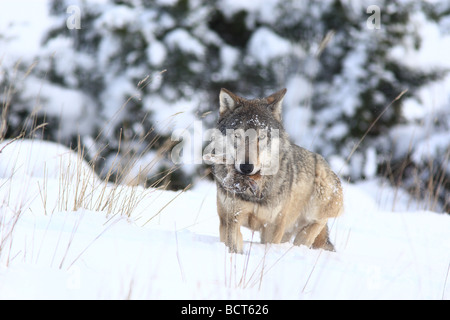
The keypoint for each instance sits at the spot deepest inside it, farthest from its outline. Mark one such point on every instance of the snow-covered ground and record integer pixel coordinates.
(64, 234)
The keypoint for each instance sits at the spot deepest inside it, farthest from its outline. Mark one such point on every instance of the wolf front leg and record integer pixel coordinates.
(230, 230)
(230, 234)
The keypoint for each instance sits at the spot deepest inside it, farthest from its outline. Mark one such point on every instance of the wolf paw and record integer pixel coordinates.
(235, 249)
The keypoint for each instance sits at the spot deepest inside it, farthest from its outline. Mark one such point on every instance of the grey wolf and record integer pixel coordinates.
(289, 193)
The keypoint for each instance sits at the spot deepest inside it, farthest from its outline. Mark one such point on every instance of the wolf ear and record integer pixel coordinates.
(228, 101)
(275, 101)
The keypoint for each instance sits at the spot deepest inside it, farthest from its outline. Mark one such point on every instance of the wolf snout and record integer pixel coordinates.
(246, 168)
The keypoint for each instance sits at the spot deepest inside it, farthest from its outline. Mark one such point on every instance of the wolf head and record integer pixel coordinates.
(250, 133)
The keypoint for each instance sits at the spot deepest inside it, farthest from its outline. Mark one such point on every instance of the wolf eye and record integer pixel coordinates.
(237, 135)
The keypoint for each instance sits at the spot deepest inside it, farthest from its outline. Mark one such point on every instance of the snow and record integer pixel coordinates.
(47, 160)
(181, 39)
(429, 148)
(118, 17)
(68, 105)
(429, 55)
(370, 167)
(265, 45)
(156, 244)
(228, 57)
(156, 53)
(265, 10)
(58, 51)
(169, 116)
(24, 30)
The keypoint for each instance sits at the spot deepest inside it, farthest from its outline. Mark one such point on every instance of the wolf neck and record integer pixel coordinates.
(261, 199)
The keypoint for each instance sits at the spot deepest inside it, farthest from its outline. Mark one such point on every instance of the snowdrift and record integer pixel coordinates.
(65, 234)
